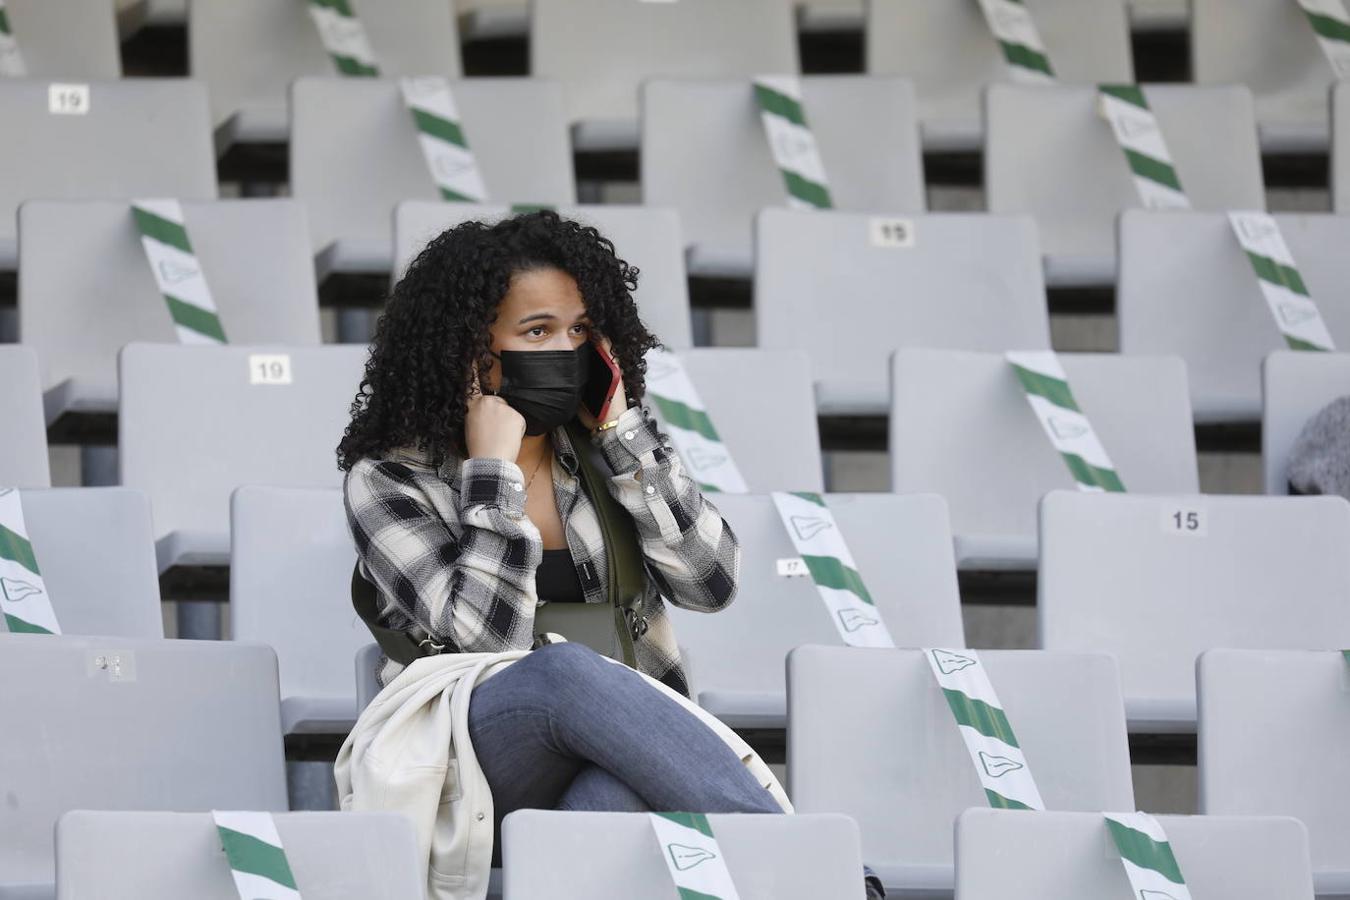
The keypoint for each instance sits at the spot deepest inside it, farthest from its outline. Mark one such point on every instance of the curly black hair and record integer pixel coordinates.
(434, 331)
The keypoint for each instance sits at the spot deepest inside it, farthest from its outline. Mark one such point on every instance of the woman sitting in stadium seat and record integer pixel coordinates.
(464, 500)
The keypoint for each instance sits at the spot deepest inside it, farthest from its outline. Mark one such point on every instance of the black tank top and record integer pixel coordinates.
(556, 578)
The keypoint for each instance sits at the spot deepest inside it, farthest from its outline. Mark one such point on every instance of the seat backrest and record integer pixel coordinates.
(254, 254)
(249, 51)
(1011, 855)
(966, 282)
(355, 152)
(1340, 148)
(1158, 580)
(342, 855)
(1051, 155)
(705, 153)
(1295, 386)
(552, 855)
(1273, 729)
(950, 53)
(138, 138)
(645, 237)
(130, 724)
(762, 405)
(1187, 288)
(24, 462)
(961, 426)
(96, 550)
(194, 424)
(870, 735)
(736, 657)
(603, 50)
(1270, 46)
(291, 558)
(75, 39)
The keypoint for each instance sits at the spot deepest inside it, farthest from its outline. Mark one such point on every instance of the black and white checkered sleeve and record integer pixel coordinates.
(689, 548)
(469, 584)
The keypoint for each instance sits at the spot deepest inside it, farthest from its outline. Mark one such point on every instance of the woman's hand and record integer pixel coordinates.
(492, 429)
(617, 404)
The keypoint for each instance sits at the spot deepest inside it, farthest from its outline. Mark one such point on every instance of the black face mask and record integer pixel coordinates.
(544, 386)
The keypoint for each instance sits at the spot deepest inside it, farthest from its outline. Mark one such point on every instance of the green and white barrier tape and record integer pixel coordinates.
(177, 271)
(23, 594)
(688, 425)
(1331, 24)
(1015, 31)
(257, 859)
(790, 138)
(1295, 312)
(344, 37)
(1047, 390)
(11, 60)
(444, 147)
(1147, 857)
(814, 534)
(985, 728)
(692, 856)
(1136, 130)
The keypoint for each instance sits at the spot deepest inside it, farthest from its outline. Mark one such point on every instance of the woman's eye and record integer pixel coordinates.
(581, 328)
(537, 331)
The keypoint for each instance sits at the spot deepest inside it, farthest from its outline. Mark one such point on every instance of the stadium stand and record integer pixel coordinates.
(961, 427)
(24, 463)
(1113, 567)
(1051, 155)
(705, 153)
(76, 39)
(949, 52)
(1340, 149)
(95, 548)
(844, 288)
(1273, 725)
(254, 255)
(343, 856)
(907, 567)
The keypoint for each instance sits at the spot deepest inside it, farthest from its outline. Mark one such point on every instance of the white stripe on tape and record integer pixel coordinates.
(441, 135)
(691, 429)
(1293, 308)
(24, 601)
(692, 855)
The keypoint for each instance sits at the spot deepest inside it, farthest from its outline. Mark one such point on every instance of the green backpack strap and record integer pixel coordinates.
(627, 578)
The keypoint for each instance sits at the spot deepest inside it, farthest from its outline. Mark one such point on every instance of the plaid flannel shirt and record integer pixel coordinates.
(453, 556)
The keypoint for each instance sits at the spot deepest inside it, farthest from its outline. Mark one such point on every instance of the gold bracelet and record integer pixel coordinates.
(612, 423)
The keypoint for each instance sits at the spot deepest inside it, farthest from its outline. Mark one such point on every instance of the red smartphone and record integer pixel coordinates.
(602, 382)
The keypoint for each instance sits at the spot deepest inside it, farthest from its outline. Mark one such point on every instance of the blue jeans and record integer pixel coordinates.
(565, 729)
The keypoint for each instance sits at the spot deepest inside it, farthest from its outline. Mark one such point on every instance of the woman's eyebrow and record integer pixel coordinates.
(537, 317)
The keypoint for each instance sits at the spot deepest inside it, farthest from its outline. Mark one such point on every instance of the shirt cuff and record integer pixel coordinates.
(487, 481)
(633, 437)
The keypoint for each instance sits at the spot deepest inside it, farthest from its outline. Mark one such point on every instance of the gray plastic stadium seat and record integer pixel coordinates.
(68, 40)
(1273, 731)
(24, 463)
(355, 155)
(761, 404)
(1340, 149)
(1269, 46)
(870, 735)
(1187, 288)
(188, 726)
(1006, 854)
(1052, 156)
(1116, 576)
(553, 855)
(902, 546)
(367, 686)
(704, 152)
(140, 138)
(646, 237)
(249, 51)
(255, 254)
(949, 52)
(291, 559)
(961, 426)
(602, 51)
(969, 282)
(333, 855)
(96, 549)
(1295, 387)
(193, 428)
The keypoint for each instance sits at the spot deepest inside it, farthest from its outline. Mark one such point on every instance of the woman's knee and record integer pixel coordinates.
(565, 663)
